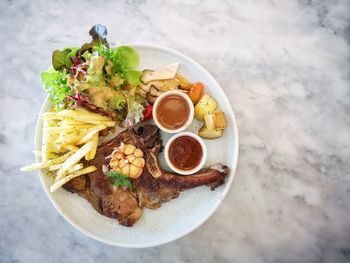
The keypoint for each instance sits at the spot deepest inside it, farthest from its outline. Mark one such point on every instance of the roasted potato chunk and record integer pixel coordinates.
(205, 133)
(184, 83)
(215, 120)
(205, 105)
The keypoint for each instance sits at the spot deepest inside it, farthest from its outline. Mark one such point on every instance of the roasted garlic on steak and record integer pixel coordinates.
(128, 160)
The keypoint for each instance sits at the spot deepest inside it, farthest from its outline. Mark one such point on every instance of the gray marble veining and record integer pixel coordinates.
(284, 66)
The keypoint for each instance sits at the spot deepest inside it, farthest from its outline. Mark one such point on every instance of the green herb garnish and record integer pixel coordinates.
(119, 179)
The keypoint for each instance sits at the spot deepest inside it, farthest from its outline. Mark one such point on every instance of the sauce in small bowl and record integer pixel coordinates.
(173, 111)
(185, 153)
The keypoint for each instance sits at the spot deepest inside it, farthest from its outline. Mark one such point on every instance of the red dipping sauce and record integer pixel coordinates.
(185, 153)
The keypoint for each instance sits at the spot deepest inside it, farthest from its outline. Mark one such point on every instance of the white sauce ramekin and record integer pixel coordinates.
(190, 116)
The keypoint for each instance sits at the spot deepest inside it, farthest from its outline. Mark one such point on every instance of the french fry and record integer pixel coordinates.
(71, 122)
(49, 155)
(74, 137)
(92, 153)
(70, 147)
(69, 177)
(62, 132)
(44, 144)
(61, 174)
(78, 115)
(81, 120)
(50, 138)
(93, 121)
(65, 129)
(90, 133)
(75, 168)
(50, 116)
(53, 147)
(33, 167)
(37, 166)
(55, 167)
(77, 156)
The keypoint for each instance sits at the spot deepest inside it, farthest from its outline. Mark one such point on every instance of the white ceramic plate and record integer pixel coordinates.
(179, 216)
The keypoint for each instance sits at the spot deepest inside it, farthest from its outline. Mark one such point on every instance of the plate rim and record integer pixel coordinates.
(201, 221)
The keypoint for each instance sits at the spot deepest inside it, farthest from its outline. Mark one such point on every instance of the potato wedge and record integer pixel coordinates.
(69, 177)
(215, 120)
(205, 133)
(205, 105)
(184, 83)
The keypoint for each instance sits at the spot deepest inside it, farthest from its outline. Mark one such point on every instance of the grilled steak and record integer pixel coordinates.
(126, 204)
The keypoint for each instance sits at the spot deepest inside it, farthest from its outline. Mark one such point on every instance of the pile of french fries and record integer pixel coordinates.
(68, 137)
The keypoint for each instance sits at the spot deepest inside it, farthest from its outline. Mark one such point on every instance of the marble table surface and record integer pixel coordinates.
(283, 64)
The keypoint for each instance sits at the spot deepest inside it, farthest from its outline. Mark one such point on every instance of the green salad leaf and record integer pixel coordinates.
(132, 76)
(55, 84)
(95, 71)
(128, 56)
(119, 179)
(72, 53)
(59, 58)
(118, 102)
(62, 59)
(122, 61)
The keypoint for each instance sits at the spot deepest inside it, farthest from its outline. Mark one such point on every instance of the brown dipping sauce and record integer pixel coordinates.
(185, 153)
(173, 112)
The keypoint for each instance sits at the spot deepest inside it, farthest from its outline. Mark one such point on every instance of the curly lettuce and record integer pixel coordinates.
(55, 83)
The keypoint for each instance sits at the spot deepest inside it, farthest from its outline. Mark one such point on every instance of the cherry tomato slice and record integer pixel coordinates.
(147, 115)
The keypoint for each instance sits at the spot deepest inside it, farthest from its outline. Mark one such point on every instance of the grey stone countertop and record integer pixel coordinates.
(284, 66)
